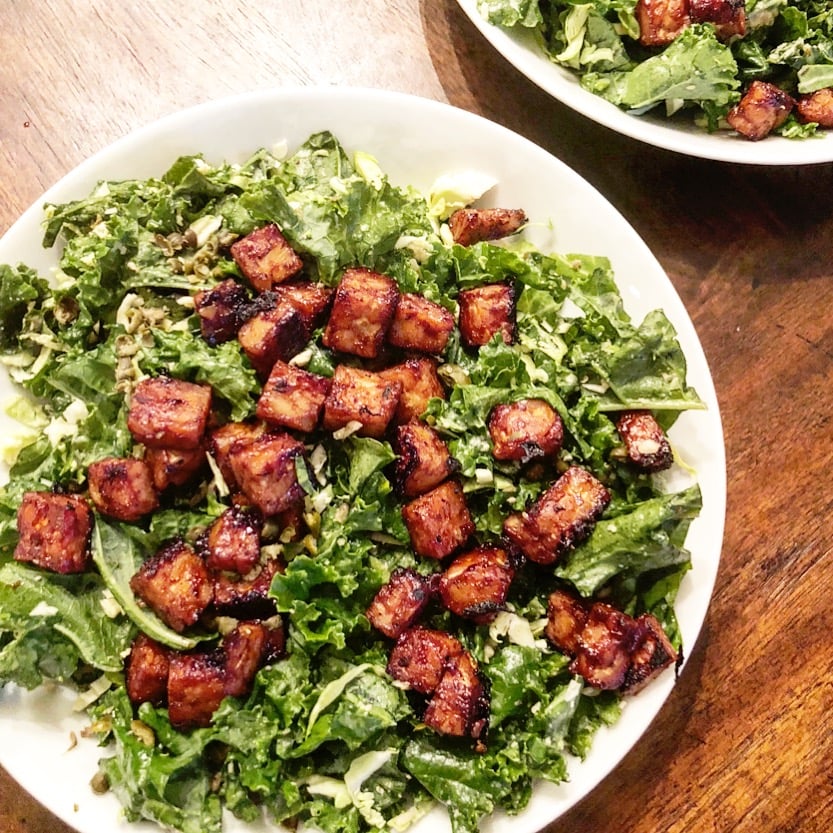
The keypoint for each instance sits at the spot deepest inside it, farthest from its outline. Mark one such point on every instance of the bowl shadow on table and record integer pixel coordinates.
(666, 196)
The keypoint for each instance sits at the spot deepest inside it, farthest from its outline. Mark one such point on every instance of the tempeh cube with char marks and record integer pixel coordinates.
(475, 225)
(222, 310)
(266, 258)
(232, 542)
(363, 397)
(223, 440)
(311, 300)
(363, 309)
(423, 460)
(727, 16)
(525, 430)
(560, 519)
(420, 384)
(661, 21)
(293, 398)
(763, 108)
(174, 466)
(54, 532)
(146, 671)
(175, 584)
(421, 325)
(566, 616)
(486, 311)
(460, 704)
(273, 334)
(246, 597)
(264, 469)
(122, 488)
(816, 107)
(439, 521)
(420, 656)
(400, 602)
(646, 444)
(475, 585)
(169, 413)
(196, 687)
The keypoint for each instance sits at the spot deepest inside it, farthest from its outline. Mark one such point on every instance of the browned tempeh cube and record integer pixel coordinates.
(603, 647)
(420, 324)
(645, 442)
(292, 398)
(486, 311)
(146, 671)
(175, 584)
(566, 616)
(196, 687)
(265, 471)
(560, 519)
(273, 334)
(266, 258)
(422, 459)
(460, 704)
(361, 396)
(476, 583)
(525, 430)
(244, 648)
(174, 466)
(420, 656)
(727, 16)
(439, 521)
(222, 440)
(651, 653)
(816, 107)
(169, 413)
(222, 310)
(246, 598)
(399, 603)
(54, 532)
(660, 21)
(473, 225)
(363, 308)
(762, 109)
(311, 300)
(232, 542)
(122, 488)
(420, 383)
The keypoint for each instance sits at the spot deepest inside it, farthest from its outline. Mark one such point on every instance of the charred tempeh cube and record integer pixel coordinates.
(175, 584)
(292, 398)
(399, 603)
(265, 257)
(227, 437)
(566, 617)
(273, 334)
(651, 653)
(246, 598)
(420, 324)
(525, 430)
(645, 442)
(244, 648)
(486, 311)
(460, 704)
(196, 687)
(54, 532)
(439, 521)
(763, 108)
(473, 225)
(222, 310)
(420, 656)
(603, 647)
(420, 384)
(361, 396)
(363, 308)
(560, 519)
(146, 672)
(122, 488)
(265, 471)
(422, 459)
(232, 542)
(660, 21)
(169, 413)
(476, 583)
(174, 466)
(816, 107)
(727, 16)
(311, 300)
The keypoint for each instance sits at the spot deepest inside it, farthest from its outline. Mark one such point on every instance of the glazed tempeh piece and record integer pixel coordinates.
(277, 333)
(560, 519)
(54, 532)
(175, 584)
(525, 430)
(363, 309)
(651, 653)
(727, 16)
(420, 384)
(420, 657)
(422, 459)
(421, 325)
(311, 300)
(645, 442)
(361, 396)
(603, 647)
(146, 671)
(476, 583)
(486, 311)
(763, 108)
(660, 21)
(196, 687)
(174, 466)
(169, 413)
(232, 542)
(292, 398)
(816, 107)
(246, 598)
(474, 225)
(460, 704)
(122, 488)
(399, 603)
(244, 648)
(566, 617)
(266, 258)
(439, 521)
(223, 440)
(222, 310)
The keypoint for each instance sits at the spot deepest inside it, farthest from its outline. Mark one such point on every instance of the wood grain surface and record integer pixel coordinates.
(743, 743)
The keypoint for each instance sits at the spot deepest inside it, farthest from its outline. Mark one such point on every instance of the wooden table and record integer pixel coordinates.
(743, 744)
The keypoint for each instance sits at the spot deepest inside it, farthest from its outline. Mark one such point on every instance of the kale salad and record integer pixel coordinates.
(322, 735)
